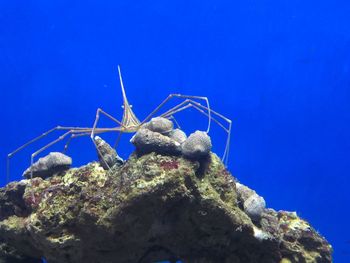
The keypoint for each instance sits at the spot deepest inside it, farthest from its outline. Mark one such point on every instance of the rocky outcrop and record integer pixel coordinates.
(153, 207)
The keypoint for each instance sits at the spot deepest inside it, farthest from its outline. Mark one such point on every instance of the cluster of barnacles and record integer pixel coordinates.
(158, 135)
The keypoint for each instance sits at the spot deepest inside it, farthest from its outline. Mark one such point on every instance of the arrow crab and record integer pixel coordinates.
(130, 123)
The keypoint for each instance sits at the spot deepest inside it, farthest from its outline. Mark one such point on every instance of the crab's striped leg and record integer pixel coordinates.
(75, 133)
(43, 135)
(171, 96)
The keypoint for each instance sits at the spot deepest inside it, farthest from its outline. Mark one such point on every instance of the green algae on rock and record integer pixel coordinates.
(154, 207)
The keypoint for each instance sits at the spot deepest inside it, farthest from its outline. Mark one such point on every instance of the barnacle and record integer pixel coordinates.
(252, 203)
(254, 206)
(147, 141)
(106, 154)
(159, 124)
(197, 145)
(52, 163)
(178, 135)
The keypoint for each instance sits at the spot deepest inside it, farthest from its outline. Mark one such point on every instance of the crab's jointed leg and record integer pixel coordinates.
(189, 97)
(57, 128)
(77, 135)
(74, 134)
(176, 122)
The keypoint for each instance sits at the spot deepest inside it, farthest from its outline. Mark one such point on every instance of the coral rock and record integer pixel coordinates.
(147, 141)
(197, 145)
(106, 154)
(269, 222)
(53, 163)
(153, 208)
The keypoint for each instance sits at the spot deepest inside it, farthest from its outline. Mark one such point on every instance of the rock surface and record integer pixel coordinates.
(152, 208)
(51, 164)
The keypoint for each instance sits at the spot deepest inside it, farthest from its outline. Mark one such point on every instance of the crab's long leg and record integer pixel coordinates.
(227, 148)
(178, 106)
(7, 170)
(57, 128)
(176, 122)
(76, 135)
(170, 114)
(63, 136)
(202, 109)
(117, 140)
(182, 97)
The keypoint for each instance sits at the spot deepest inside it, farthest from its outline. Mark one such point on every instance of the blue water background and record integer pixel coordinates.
(279, 69)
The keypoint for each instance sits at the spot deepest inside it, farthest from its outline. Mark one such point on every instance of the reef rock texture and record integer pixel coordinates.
(151, 208)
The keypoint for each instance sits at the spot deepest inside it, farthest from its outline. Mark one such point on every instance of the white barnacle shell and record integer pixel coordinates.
(159, 124)
(197, 145)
